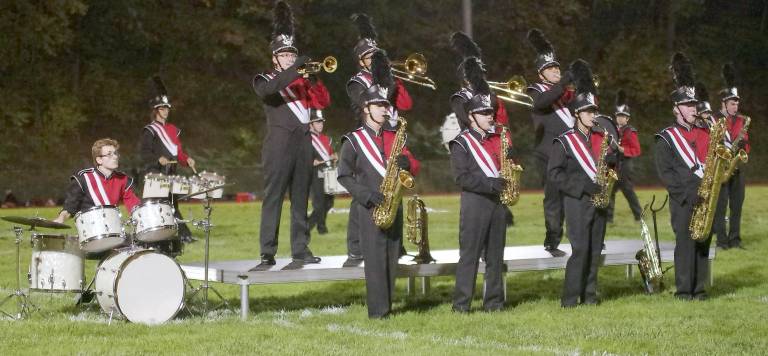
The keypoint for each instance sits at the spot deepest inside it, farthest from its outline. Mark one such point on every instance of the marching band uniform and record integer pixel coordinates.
(323, 152)
(475, 161)
(680, 153)
(631, 144)
(551, 118)
(361, 169)
(287, 148)
(89, 188)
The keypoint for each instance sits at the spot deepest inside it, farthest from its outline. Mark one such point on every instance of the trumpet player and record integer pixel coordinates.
(680, 152)
(362, 167)
(323, 156)
(286, 154)
(475, 160)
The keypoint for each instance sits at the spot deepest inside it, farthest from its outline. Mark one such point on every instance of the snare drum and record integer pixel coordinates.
(154, 221)
(99, 228)
(450, 129)
(141, 286)
(179, 185)
(330, 183)
(57, 264)
(212, 179)
(156, 185)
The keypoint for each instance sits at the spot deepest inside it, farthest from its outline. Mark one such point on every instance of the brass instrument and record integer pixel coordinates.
(394, 180)
(512, 91)
(509, 171)
(718, 159)
(648, 261)
(329, 65)
(413, 70)
(605, 177)
(740, 155)
(416, 224)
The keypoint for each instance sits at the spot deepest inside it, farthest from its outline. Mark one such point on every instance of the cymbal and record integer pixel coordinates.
(35, 222)
(204, 191)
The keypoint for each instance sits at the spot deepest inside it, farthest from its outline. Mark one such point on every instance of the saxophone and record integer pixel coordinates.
(740, 155)
(716, 165)
(509, 171)
(416, 223)
(648, 259)
(605, 176)
(394, 179)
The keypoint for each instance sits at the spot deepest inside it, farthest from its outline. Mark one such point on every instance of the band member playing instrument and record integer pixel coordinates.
(550, 119)
(475, 159)
(361, 170)
(680, 152)
(100, 185)
(733, 191)
(703, 108)
(160, 148)
(628, 149)
(323, 157)
(287, 149)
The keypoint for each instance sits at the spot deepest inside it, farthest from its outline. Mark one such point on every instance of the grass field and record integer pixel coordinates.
(331, 318)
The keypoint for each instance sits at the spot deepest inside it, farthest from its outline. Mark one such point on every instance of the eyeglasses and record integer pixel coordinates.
(115, 154)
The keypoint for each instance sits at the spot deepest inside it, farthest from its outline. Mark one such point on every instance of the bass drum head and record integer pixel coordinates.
(150, 289)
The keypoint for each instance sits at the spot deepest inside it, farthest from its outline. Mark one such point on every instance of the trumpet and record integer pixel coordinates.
(512, 91)
(413, 70)
(329, 65)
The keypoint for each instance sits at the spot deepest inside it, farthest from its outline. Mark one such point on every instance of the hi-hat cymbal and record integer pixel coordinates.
(36, 222)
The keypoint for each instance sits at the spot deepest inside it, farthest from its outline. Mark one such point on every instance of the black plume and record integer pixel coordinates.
(729, 75)
(701, 92)
(475, 75)
(159, 86)
(381, 70)
(621, 98)
(464, 46)
(582, 77)
(539, 42)
(282, 20)
(682, 70)
(364, 26)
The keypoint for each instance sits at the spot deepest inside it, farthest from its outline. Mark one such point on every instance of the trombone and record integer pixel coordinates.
(413, 70)
(512, 91)
(329, 65)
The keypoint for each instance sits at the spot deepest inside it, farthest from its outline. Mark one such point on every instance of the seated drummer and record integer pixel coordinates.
(99, 185)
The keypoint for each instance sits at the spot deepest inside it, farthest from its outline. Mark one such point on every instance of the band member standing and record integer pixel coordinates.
(680, 153)
(161, 151)
(323, 157)
(287, 149)
(703, 108)
(629, 148)
(733, 191)
(573, 168)
(476, 160)
(550, 119)
(100, 185)
(362, 167)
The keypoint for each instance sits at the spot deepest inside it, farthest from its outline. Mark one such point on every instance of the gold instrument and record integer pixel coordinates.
(648, 259)
(740, 155)
(605, 176)
(329, 65)
(413, 70)
(416, 223)
(394, 180)
(718, 159)
(512, 91)
(509, 171)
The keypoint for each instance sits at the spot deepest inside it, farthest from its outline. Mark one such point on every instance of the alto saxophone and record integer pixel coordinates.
(510, 172)
(716, 165)
(740, 155)
(605, 177)
(416, 223)
(394, 179)
(648, 261)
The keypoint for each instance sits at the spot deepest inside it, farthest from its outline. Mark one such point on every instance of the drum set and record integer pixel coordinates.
(137, 277)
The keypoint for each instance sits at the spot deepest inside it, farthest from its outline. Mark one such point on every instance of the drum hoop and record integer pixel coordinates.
(46, 290)
(99, 207)
(99, 237)
(156, 228)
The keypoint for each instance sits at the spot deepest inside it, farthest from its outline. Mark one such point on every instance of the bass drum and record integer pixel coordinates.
(141, 286)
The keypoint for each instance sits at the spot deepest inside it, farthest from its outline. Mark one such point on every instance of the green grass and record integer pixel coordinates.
(331, 318)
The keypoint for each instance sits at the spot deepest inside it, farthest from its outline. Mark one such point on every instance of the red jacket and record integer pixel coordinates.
(629, 141)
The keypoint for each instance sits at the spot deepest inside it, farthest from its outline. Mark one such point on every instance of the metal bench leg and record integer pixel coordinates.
(630, 271)
(244, 301)
(711, 273)
(424, 285)
(504, 285)
(411, 286)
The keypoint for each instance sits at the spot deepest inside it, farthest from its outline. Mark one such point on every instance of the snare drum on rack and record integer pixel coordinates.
(156, 185)
(100, 228)
(179, 185)
(330, 183)
(213, 179)
(154, 221)
(56, 264)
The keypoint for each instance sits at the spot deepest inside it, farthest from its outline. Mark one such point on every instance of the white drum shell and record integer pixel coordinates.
(450, 129)
(331, 184)
(179, 185)
(57, 264)
(154, 221)
(156, 185)
(99, 228)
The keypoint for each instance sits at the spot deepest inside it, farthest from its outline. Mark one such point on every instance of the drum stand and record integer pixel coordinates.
(24, 306)
(206, 225)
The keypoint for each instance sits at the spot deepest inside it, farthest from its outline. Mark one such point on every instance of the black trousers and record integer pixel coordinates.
(627, 188)
(380, 250)
(482, 230)
(353, 237)
(586, 231)
(553, 209)
(691, 257)
(287, 162)
(731, 197)
(321, 202)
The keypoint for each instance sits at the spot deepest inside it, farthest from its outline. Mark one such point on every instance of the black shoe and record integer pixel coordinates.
(187, 239)
(568, 305)
(722, 247)
(322, 229)
(591, 301)
(459, 310)
(267, 259)
(307, 259)
(555, 252)
(683, 296)
(738, 246)
(701, 297)
(352, 262)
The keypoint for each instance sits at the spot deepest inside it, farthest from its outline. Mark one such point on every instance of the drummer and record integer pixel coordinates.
(99, 185)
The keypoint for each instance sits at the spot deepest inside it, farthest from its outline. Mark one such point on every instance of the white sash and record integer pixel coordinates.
(481, 156)
(369, 150)
(96, 189)
(728, 141)
(164, 138)
(293, 102)
(320, 148)
(582, 155)
(685, 151)
(562, 112)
